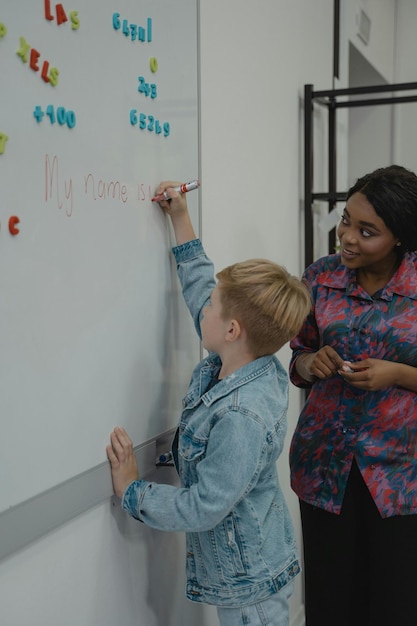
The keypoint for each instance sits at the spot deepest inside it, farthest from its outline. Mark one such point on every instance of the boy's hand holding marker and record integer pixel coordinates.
(163, 194)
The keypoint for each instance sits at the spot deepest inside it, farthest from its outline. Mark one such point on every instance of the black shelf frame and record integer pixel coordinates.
(330, 99)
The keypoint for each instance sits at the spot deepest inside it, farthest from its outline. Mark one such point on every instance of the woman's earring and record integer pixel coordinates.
(398, 243)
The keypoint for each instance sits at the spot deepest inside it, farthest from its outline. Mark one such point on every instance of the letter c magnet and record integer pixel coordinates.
(13, 221)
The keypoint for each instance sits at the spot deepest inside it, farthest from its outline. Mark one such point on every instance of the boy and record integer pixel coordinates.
(241, 553)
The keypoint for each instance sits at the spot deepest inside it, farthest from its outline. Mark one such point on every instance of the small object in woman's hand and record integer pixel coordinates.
(346, 367)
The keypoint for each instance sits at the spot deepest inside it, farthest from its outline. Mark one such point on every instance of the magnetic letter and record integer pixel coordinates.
(23, 50)
(44, 74)
(3, 139)
(53, 76)
(34, 56)
(48, 13)
(75, 22)
(12, 225)
(153, 64)
(61, 16)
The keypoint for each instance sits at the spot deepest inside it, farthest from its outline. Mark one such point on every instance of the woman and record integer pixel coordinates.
(354, 452)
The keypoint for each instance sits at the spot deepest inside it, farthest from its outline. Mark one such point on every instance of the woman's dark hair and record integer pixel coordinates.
(392, 191)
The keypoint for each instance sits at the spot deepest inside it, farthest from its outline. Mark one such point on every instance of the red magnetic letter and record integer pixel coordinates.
(60, 14)
(45, 68)
(48, 14)
(12, 225)
(34, 56)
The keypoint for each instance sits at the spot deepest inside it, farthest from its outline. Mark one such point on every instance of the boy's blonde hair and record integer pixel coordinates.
(266, 300)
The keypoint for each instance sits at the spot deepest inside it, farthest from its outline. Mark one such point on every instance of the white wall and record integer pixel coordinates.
(102, 568)
(370, 127)
(405, 115)
(252, 132)
(379, 51)
(369, 143)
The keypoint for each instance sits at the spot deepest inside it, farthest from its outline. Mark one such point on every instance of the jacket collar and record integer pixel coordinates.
(211, 367)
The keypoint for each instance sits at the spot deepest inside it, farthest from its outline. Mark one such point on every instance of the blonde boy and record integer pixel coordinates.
(241, 553)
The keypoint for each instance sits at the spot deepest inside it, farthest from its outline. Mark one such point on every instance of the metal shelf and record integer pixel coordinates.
(331, 100)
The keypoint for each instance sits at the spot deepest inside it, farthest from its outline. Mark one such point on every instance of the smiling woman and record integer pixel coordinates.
(353, 454)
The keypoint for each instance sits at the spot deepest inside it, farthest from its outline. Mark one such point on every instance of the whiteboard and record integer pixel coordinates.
(98, 103)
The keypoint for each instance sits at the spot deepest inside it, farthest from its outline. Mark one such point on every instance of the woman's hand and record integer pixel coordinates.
(124, 468)
(321, 364)
(371, 374)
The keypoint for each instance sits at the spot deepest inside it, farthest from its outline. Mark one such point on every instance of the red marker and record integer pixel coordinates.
(193, 184)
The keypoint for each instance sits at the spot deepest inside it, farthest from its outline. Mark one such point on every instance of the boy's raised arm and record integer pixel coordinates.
(177, 209)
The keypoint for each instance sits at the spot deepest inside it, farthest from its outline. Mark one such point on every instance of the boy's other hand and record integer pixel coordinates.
(124, 468)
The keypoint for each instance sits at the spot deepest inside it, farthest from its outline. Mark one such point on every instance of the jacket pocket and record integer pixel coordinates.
(191, 449)
(191, 452)
(235, 547)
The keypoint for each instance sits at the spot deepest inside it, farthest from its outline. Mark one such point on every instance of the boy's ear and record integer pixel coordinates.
(234, 330)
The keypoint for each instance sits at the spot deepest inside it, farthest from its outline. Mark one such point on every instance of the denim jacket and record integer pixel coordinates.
(240, 541)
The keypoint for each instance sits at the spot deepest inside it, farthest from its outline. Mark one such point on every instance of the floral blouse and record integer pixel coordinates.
(340, 422)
